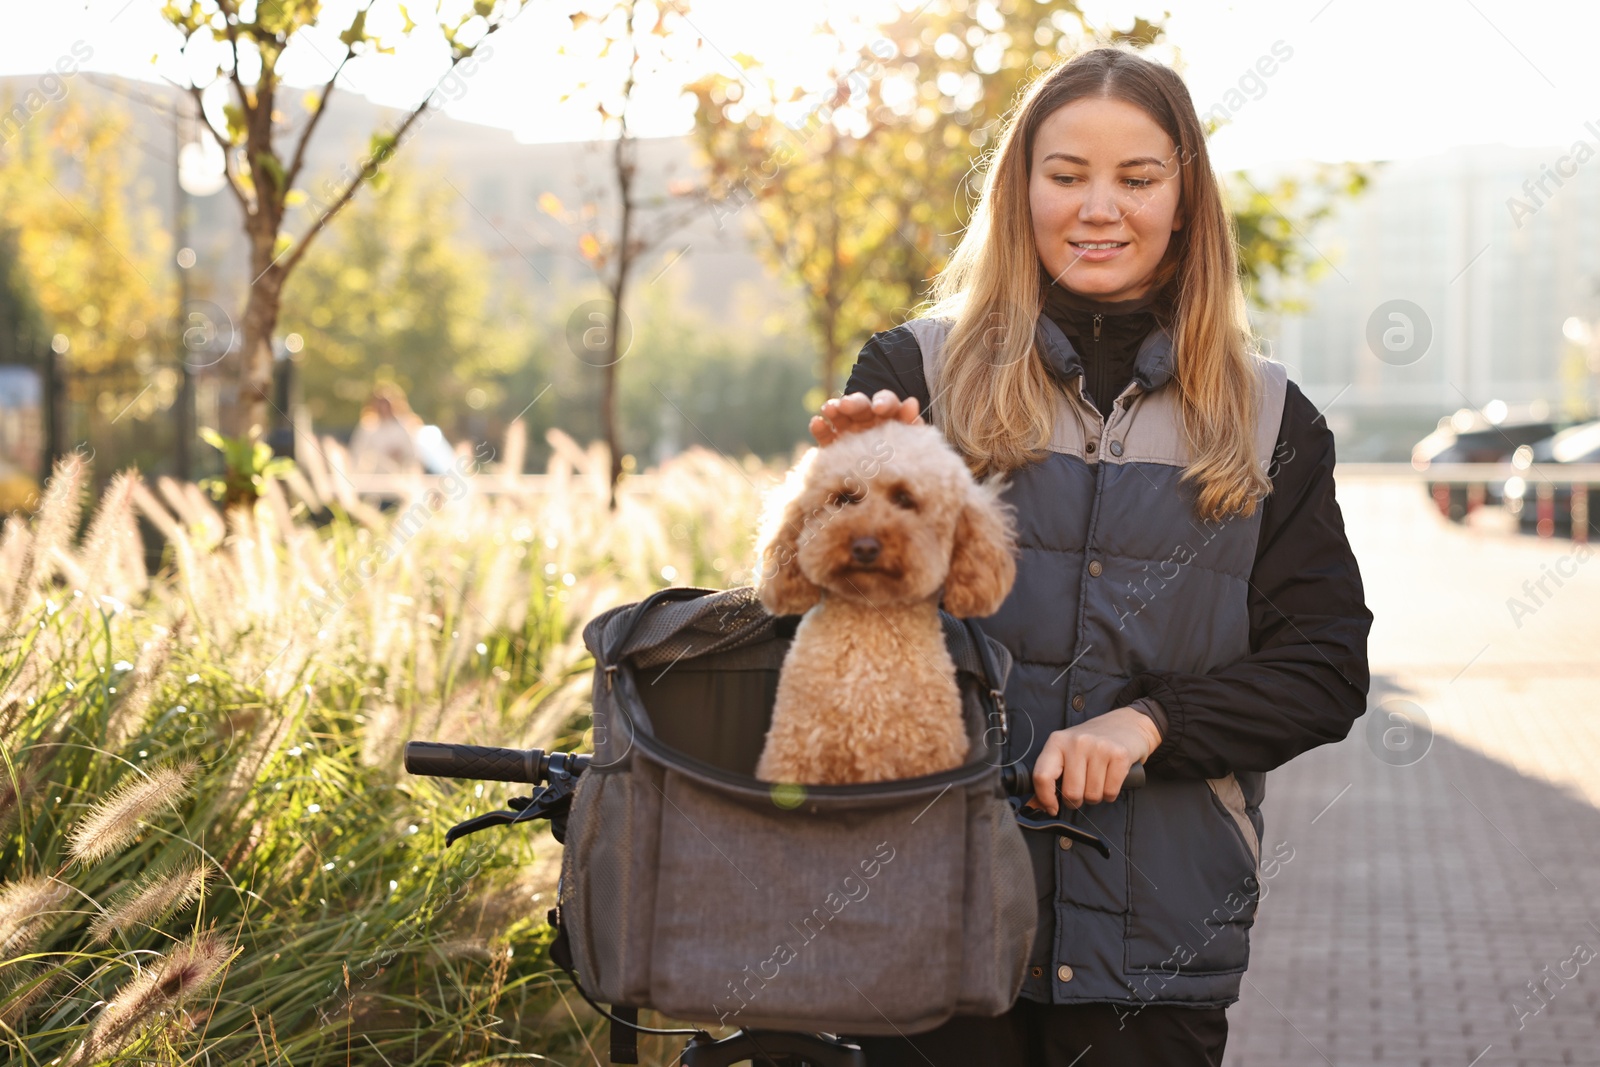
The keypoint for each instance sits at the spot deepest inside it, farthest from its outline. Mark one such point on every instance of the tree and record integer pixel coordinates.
(262, 176)
(394, 292)
(1271, 226)
(23, 341)
(642, 30)
(21, 326)
(92, 252)
(861, 189)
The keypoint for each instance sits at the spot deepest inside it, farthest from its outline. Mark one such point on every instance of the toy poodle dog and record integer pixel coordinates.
(864, 537)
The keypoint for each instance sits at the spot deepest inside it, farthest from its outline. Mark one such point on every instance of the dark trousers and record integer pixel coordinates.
(1064, 1035)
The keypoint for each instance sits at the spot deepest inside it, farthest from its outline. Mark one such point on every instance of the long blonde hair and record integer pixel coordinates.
(994, 398)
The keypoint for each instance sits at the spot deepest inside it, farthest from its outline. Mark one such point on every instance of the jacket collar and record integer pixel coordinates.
(1153, 364)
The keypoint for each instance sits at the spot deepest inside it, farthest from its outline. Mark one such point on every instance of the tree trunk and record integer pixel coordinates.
(831, 297)
(608, 382)
(622, 159)
(253, 373)
(608, 400)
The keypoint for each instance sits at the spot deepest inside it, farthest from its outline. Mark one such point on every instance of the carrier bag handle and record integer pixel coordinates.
(613, 649)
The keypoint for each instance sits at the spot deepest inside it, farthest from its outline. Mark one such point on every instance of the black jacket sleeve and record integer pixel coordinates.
(1306, 678)
(891, 360)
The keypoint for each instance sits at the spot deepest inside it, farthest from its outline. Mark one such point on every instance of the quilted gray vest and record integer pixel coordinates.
(1115, 576)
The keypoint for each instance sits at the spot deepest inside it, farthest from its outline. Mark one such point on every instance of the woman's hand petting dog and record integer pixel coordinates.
(1091, 760)
(855, 412)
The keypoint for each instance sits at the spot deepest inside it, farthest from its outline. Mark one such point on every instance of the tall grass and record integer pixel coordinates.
(208, 849)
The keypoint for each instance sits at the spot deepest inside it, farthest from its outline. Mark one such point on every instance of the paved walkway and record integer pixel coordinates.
(1446, 855)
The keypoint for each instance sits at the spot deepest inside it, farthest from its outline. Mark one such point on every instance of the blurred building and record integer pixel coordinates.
(1499, 248)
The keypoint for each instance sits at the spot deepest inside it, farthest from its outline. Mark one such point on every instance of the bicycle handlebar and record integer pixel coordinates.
(437, 759)
(527, 765)
(1017, 778)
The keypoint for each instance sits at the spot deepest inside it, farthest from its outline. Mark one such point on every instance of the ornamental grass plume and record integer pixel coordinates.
(27, 908)
(112, 555)
(14, 541)
(163, 987)
(115, 821)
(17, 782)
(52, 528)
(153, 898)
(23, 991)
(140, 687)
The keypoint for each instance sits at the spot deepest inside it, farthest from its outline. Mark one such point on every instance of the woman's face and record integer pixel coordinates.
(1103, 172)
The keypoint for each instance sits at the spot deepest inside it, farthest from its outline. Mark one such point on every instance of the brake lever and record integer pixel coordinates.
(526, 811)
(1039, 819)
(551, 802)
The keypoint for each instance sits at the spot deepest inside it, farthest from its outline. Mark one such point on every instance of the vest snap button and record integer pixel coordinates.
(1116, 448)
(1064, 842)
(1095, 568)
(1037, 972)
(1077, 702)
(1064, 973)
(1089, 447)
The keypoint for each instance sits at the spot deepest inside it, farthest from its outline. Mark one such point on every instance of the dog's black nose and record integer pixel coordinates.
(864, 550)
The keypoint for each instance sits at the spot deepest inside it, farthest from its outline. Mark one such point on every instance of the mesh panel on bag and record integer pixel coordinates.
(713, 623)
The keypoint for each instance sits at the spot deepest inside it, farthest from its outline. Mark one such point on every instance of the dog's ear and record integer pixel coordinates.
(782, 586)
(983, 557)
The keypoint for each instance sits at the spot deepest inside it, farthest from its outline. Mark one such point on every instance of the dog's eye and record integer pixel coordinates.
(902, 499)
(845, 496)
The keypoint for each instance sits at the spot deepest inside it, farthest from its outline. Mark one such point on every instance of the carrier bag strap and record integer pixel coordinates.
(994, 675)
(625, 1038)
(624, 1020)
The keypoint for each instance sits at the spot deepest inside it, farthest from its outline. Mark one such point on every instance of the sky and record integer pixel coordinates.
(1352, 79)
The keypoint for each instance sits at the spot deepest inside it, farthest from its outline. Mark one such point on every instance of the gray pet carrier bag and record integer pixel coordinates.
(690, 887)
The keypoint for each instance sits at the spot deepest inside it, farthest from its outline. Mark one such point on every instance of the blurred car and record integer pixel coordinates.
(1575, 444)
(1470, 437)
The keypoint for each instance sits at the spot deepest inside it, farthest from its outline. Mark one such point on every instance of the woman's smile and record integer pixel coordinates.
(1098, 251)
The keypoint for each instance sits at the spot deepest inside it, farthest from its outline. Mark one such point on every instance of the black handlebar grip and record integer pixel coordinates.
(1017, 779)
(438, 760)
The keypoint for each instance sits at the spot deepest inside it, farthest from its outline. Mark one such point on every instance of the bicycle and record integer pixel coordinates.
(555, 776)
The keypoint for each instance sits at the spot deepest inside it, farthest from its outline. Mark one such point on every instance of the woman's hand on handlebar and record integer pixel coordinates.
(855, 411)
(1089, 762)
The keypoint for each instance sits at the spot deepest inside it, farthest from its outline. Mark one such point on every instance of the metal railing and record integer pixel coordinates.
(1538, 484)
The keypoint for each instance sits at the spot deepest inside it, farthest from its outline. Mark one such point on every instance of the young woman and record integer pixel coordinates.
(1185, 593)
